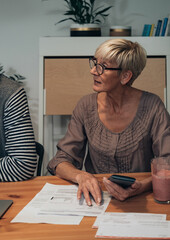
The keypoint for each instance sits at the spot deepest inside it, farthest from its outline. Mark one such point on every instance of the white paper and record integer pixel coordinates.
(31, 212)
(146, 229)
(58, 204)
(116, 217)
(28, 216)
(64, 201)
(132, 225)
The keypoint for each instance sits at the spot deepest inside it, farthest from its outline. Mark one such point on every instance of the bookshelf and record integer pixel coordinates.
(59, 92)
(161, 28)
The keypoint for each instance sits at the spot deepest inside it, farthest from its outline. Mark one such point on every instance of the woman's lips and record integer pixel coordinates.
(97, 82)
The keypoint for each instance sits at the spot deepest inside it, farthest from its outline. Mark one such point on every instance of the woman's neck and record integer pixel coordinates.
(116, 100)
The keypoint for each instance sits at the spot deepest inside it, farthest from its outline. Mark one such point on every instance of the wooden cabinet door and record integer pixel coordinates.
(153, 77)
(66, 80)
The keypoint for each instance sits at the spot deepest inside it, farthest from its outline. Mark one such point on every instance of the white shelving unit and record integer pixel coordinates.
(84, 46)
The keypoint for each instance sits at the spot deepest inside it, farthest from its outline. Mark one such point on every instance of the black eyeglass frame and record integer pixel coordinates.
(102, 66)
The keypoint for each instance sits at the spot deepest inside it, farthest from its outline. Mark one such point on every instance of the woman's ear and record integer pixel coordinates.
(125, 77)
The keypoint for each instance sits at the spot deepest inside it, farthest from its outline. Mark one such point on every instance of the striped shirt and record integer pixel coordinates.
(21, 159)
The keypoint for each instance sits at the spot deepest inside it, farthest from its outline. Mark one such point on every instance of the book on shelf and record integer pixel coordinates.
(167, 31)
(158, 28)
(164, 26)
(146, 30)
(152, 30)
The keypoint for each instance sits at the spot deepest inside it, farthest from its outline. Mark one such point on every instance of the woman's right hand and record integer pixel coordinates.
(88, 185)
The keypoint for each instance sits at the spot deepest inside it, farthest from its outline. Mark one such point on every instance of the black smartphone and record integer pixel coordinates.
(123, 181)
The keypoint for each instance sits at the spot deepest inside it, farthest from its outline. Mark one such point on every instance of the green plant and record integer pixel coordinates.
(15, 77)
(83, 12)
(1, 69)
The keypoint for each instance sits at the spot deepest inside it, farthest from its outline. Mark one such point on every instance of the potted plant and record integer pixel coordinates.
(85, 16)
(15, 77)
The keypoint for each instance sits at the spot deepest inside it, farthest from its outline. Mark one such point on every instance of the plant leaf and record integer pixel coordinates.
(102, 11)
(82, 11)
(66, 19)
(1, 69)
(17, 77)
(92, 1)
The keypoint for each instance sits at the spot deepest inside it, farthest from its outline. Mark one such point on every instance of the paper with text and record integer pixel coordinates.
(133, 225)
(63, 200)
(58, 204)
(123, 217)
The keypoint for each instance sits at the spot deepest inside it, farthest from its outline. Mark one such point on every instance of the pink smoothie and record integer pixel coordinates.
(161, 185)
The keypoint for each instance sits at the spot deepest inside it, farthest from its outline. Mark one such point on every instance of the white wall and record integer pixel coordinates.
(22, 22)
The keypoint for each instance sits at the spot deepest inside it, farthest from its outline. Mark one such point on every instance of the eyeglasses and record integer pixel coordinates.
(99, 67)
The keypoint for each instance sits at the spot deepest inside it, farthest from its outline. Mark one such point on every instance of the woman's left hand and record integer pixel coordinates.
(122, 194)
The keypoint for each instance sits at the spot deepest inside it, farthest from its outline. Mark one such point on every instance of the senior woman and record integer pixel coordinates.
(117, 129)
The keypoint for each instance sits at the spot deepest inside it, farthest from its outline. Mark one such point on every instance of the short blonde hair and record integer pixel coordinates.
(127, 54)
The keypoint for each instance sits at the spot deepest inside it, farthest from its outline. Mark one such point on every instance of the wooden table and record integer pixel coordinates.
(22, 192)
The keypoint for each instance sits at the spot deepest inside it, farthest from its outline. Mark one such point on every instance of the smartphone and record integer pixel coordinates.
(123, 181)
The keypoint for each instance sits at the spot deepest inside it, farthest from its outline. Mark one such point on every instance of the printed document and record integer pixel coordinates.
(132, 225)
(123, 217)
(58, 204)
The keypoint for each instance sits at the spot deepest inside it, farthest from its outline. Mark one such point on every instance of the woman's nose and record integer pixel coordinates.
(93, 70)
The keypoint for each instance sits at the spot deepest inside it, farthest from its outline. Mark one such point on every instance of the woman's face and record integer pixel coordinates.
(109, 80)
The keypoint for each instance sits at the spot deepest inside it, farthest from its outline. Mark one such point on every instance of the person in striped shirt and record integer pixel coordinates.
(18, 158)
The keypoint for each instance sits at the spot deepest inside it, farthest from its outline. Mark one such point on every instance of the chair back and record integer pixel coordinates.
(40, 153)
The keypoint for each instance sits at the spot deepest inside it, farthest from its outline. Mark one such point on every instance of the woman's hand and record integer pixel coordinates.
(122, 194)
(88, 184)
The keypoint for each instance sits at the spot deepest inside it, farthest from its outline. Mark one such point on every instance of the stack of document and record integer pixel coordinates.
(58, 204)
(132, 225)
